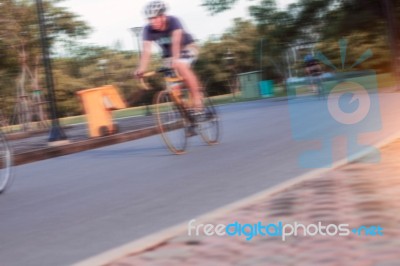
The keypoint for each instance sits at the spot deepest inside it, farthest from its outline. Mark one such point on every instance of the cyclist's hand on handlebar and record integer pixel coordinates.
(138, 73)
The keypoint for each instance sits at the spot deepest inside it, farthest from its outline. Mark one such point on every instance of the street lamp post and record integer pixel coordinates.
(230, 62)
(288, 63)
(137, 31)
(102, 65)
(56, 132)
(261, 56)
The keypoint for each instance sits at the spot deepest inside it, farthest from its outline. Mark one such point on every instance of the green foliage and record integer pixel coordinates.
(91, 67)
(213, 67)
(320, 24)
(357, 44)
(20, 37)
(217, 6)
(266, 42)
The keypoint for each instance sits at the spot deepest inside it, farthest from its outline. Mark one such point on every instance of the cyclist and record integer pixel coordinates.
(178, 48)
(312, 66)
(313, 69)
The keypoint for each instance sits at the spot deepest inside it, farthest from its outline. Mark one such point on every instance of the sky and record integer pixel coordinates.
(112, 19)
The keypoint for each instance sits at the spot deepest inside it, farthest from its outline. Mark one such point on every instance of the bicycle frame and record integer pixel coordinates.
(172, 81)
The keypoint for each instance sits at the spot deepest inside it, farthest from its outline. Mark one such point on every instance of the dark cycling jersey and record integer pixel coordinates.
(313, 67)
(311, 63)
(164, 38)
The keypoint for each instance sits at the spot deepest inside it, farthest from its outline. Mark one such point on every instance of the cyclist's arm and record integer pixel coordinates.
(145, 59)
(176, 43)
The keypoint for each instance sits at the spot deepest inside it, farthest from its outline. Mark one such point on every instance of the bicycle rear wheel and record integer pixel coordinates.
(171, 123)
(209, 126)
(5, 164)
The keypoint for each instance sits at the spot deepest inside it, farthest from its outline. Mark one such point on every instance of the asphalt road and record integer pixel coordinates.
(62, 210)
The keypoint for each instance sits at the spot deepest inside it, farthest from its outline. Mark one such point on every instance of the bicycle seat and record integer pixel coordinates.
(170, 74)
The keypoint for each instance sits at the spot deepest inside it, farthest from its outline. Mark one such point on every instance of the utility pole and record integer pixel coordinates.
(136, 32)
(56, 132)
(261, 57)
(230, 62)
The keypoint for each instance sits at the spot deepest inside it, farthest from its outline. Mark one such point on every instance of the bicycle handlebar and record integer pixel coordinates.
(165, 70)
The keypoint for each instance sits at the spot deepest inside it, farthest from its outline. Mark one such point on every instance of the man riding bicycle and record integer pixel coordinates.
(312, 66)
(178, 48)
(313, 70)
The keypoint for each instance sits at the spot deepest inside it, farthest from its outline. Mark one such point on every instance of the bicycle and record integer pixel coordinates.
(175, 119)
(6, 162)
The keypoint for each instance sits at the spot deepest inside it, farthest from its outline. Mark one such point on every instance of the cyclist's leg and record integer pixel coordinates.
(184, 68)
(192, 82)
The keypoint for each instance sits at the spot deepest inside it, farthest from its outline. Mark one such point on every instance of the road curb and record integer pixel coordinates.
(157, 239)
(78, 146)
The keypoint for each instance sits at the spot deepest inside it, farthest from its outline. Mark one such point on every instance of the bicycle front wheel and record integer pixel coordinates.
(171, 123)
(5, 164)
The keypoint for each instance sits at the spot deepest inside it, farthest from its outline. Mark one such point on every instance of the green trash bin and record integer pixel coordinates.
(266, 88)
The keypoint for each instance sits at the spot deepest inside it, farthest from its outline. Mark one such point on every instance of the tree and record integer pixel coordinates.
(333, 20)
(212, 67)
(20, 38)
(323, 22)
(217, 6)
(20, 26)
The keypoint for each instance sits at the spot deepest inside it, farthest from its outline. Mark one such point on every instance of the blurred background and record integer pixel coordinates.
(266, 36)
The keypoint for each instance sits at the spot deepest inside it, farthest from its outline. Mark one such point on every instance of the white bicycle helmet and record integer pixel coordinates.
(155, 8)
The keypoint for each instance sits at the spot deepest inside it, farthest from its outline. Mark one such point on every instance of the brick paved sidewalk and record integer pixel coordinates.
(355, 194)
